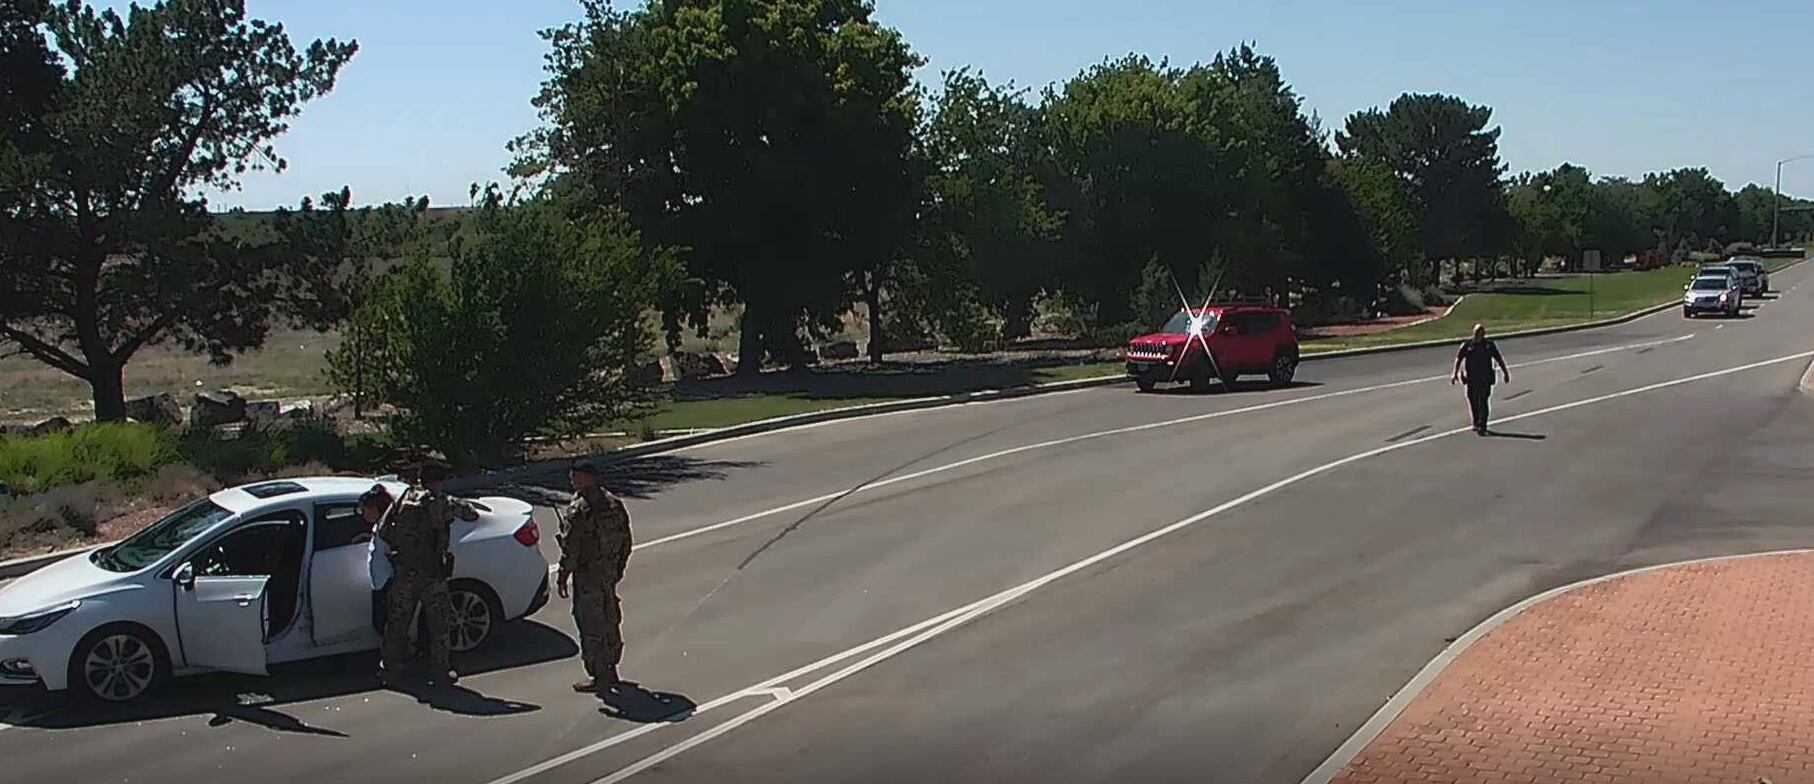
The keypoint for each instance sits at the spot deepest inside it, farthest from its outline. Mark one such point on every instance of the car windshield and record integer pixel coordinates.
(1186, 323)
(1710, 284)
(1716, 271)
(162, 538)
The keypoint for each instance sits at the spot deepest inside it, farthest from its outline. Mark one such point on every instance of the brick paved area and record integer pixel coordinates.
(1695, 673)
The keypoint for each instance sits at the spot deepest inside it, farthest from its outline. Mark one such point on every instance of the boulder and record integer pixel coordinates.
(54, 424)
(262, 410)
(336, 404)
(158, 409)
(299, 409)
(220, 407)
(843, 349)
(694, 366)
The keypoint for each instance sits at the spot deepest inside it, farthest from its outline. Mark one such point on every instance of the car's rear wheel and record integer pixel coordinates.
(117, 664)
(477, 613)
(1284, 368)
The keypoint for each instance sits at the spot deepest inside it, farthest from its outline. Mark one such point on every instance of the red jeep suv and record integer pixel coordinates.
(1240, 339)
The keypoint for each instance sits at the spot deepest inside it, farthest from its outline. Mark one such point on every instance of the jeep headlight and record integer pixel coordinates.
(36, 621)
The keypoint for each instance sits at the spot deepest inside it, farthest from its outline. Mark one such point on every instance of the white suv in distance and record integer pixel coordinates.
(1712, 294)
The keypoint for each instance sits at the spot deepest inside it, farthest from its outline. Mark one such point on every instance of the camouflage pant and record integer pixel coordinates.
(597, 613)
(406, 592)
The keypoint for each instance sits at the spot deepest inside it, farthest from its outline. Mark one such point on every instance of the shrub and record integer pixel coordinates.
(537, 329)
(262, 450)
(51, 519)
(97, 451)
(1403, 301)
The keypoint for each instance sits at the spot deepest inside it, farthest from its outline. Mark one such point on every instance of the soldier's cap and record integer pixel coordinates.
(432, 472)
(586, 469)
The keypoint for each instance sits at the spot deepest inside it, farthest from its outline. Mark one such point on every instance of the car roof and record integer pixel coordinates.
(1721, 279)
(254, 495)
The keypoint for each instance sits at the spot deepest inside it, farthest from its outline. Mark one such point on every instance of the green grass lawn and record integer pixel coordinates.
(1539, 303)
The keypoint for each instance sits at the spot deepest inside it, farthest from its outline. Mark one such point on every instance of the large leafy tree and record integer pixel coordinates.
(1150, 179)
(985, 228)
(1443, 148)
(1690, 209)
(113, 124)
(768, 139)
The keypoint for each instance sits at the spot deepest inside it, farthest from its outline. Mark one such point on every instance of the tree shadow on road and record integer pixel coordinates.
(255, 700)
(639, 478)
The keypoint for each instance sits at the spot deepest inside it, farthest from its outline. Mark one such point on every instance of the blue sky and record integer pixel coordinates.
(1619, 86)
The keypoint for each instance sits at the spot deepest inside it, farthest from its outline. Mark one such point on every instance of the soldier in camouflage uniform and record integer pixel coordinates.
(595, 549)
(418, 532)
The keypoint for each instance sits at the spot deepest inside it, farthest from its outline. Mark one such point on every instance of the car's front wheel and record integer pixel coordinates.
(476, 613)
(117, 664)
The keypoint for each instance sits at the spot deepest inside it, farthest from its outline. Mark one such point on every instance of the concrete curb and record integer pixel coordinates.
(1807, 381)
(1383, 718)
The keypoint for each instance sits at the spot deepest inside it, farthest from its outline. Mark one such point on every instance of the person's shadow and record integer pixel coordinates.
(461, 701)
(1516, 436)
(631, 702)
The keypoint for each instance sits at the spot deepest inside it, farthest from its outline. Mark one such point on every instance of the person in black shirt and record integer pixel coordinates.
(1474, 367)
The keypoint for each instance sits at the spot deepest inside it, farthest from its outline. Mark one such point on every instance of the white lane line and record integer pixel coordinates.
(885, 415)
(933, 627)
(819, 499)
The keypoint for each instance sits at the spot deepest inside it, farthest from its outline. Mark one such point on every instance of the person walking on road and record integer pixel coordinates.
(595, 550)
(1474, 368)
(418, 532)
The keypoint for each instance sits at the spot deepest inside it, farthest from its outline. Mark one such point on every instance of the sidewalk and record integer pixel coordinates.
(1689, 673)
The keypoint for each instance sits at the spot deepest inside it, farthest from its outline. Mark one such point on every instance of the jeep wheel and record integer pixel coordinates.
(1284, 368)
(1143, 384)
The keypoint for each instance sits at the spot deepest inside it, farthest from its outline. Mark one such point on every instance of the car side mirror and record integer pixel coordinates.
(185, 576)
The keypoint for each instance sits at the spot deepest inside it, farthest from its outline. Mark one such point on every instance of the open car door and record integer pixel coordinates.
(221, 597)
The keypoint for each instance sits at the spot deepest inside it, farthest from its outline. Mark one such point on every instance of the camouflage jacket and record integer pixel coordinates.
(595, 535)
(418, 530)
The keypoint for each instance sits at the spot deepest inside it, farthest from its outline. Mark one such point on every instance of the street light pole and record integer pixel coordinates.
(1776, 197)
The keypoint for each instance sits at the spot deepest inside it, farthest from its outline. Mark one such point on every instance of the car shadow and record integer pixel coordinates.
(1238, 388)
(631, 702)
(259, 700)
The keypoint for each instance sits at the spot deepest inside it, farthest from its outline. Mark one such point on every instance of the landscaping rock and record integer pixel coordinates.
(843, 349)
(299, 409)
(694, 366)
(262, 410)
(220, 407)
(729, 361)
(335, 405)
(54, 424)
(158, 409)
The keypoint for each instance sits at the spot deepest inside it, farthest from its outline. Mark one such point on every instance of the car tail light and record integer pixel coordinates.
(528, 535)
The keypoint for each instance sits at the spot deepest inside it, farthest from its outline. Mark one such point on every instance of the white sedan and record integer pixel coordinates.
(250, 576)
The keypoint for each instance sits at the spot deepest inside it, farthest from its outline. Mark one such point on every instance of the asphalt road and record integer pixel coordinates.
(1071, 587)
